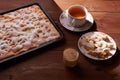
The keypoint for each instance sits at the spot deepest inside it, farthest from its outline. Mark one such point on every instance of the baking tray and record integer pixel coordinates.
(41, 46)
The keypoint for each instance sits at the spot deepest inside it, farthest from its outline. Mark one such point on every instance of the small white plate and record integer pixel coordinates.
(66, 24)
(87, 42)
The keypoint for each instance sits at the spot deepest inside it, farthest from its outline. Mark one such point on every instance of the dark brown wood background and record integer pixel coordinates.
(47, 63)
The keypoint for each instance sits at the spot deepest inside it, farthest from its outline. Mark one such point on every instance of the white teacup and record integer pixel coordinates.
(77, 15)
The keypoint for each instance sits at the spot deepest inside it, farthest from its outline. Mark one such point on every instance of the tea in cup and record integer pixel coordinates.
(77, 15)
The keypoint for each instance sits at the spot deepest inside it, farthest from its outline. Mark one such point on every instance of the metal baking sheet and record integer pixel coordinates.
(46, 44)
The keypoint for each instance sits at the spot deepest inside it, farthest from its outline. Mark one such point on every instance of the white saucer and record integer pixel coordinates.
(64, 21)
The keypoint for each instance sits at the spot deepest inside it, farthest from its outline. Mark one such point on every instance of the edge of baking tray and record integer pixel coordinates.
(43, 45)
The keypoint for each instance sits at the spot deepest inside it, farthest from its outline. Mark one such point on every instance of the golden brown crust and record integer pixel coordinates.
(24, 29)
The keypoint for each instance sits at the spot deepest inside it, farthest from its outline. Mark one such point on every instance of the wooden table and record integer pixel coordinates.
(47, 64)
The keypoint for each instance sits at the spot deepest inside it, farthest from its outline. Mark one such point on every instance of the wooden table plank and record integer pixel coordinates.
(92, 5)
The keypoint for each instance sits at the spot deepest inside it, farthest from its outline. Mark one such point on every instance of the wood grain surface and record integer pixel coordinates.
(47, 63)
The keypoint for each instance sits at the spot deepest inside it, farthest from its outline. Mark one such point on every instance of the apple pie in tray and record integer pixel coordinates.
(24, 29)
